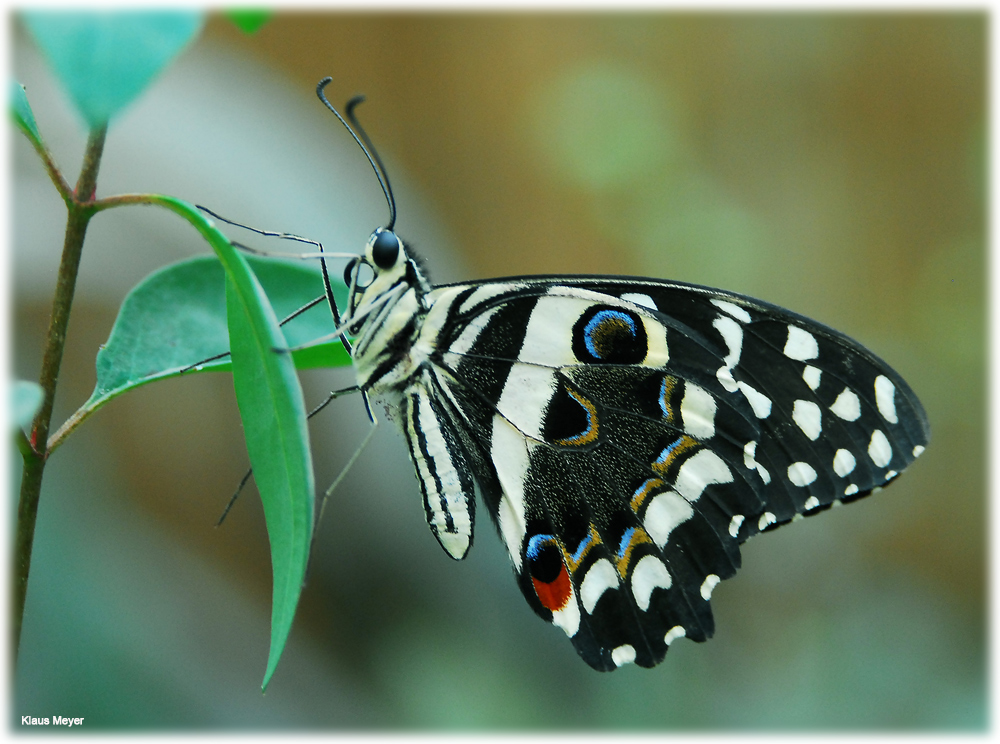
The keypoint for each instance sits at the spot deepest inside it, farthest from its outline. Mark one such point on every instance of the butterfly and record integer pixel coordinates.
(626, 435)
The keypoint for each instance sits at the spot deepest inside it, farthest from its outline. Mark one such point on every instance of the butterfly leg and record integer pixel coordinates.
(287, 318)
(329, 399)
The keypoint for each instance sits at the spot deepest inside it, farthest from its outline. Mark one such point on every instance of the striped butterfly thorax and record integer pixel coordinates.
(626, 435)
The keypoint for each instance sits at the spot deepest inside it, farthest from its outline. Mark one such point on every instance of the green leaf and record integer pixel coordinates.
(21, 111)
(26, 399)
(274, 422)
(248, 20)
(176, 318)
(105, 59)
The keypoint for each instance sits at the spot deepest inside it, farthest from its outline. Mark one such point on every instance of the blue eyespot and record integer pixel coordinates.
(603, 324)
(536, 543)
(609, 335)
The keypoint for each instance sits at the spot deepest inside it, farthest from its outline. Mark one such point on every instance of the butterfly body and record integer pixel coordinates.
(625, 434)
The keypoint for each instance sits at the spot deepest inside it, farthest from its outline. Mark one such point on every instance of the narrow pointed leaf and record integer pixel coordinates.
(22, 113)
(274, 421)
(274, 424)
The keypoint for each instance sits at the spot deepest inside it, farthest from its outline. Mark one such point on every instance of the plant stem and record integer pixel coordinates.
(80, 212)
(50, 167)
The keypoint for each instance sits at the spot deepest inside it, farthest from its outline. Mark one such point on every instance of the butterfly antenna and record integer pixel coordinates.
(386, 186)
(364, 143)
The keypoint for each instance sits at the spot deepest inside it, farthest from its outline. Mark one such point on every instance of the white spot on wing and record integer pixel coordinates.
(648, 574)
(800, 344)
(657, 354)
(885, 398)
(764, 475)
(734, 525)
(765, 519)
(759, 402)
(847, 406)
(879, 449)
(735, 310)
(699, 471)
(801, 473)
(600, 577)
(811, 503)
(732, 335)
(749, 450)
(640, 299)
(918, 450)
(807, 416)
(812, 376)
(673, 634)
(710, 582)
(725, 377)
(664, 513)
(849, 491)
(698, 412)
(623, 655)
(843, 463)
(568, 618)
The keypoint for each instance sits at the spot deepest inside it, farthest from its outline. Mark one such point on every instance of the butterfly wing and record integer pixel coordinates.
(628, 434)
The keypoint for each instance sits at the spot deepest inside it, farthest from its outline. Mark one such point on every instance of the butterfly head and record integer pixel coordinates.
(386, 267)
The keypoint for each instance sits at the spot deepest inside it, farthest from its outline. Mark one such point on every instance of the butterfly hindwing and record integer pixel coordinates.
(627, 435)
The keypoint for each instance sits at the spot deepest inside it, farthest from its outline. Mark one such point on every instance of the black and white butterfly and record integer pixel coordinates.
(625, 435)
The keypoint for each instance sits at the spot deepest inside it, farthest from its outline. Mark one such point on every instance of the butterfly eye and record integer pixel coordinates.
(385, 249)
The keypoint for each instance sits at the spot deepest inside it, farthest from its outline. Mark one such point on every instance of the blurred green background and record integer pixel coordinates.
(830, 163)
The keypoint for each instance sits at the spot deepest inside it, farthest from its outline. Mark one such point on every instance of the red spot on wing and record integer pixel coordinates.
(554, 594)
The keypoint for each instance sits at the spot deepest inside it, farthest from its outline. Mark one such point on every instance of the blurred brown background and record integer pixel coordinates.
(830, 163)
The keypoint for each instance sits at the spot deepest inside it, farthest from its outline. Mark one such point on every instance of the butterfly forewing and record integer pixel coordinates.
(627, 435)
